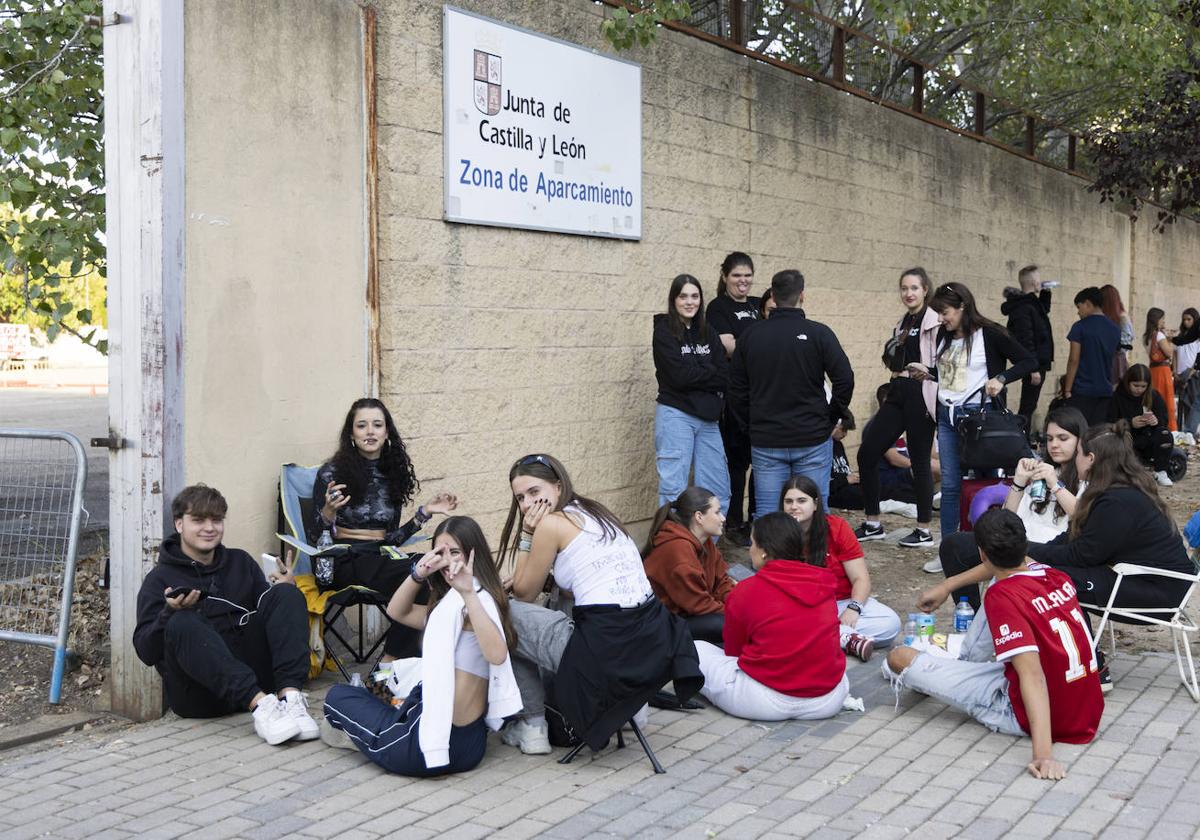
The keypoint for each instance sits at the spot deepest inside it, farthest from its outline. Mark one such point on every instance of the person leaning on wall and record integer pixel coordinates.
(224, 639)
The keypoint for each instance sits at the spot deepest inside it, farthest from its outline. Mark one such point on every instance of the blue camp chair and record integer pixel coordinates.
(296, 508)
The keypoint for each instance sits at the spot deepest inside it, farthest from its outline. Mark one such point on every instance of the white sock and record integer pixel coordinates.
(290, 694)
(924, 531)
(873, 523)
(536, 720)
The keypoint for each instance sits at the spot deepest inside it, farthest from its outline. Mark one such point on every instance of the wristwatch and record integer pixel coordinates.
(854, 605)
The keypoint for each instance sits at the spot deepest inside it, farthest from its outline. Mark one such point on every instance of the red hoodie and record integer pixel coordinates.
(689, 578)
(782, 625)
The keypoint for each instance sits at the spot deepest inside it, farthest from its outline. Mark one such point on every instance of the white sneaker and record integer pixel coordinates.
(272, 721)
(532, 740)
(296, 706)
(1163, 479)
(334, 737)
(933, 567)
(905, 509)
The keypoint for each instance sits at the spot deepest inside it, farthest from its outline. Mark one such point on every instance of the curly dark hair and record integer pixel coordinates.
(395, 466)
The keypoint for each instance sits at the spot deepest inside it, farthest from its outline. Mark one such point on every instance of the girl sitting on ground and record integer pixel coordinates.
(620, 645)
(684, 565)
(467, 683)
(1044, 519)
(782, 658)
(829, 541)
(1143, 408)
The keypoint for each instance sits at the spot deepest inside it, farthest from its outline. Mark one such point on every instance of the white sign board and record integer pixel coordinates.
(539, 133)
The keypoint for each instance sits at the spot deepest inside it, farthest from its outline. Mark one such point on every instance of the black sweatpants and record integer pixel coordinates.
(958, 553)
(1029, 400)
(1094, 585)
(1153, 446)
(707, 628)
(366, 566)
(902, 412)
(208, 675)
(1093, 409)
(737, 457)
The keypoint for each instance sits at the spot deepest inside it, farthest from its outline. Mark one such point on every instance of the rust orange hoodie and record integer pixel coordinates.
(689, 578)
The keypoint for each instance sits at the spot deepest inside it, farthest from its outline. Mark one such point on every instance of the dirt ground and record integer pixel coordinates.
(896, 578)
(25, 669)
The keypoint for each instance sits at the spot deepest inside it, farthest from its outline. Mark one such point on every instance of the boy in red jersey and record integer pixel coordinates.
(1044, 682)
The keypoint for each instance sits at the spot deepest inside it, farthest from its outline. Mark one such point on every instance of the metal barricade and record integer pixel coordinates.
(42, 474)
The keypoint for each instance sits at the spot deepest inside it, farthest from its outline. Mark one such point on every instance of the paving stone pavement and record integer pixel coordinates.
(919, 769)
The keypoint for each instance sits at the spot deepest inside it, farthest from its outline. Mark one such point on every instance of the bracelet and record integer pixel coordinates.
(422, 516)
(417, 579)
(524, 544)
(1016, 486)
(854, 605)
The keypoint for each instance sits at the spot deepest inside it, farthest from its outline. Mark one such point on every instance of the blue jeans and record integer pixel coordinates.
(773, 467)
(681, 442)
(948, 444)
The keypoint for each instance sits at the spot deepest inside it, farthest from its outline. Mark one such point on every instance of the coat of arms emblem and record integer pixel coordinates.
(487, 83)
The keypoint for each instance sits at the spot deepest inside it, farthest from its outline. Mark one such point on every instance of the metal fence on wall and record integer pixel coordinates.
(790, 35)
(42, 475)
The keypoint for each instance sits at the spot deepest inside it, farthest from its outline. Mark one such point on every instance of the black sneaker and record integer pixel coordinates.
(866, 533)
(917, 539)
(1105, 679)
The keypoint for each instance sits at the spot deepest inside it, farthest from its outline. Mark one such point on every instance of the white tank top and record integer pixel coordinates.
(469, 657)
(598, 570)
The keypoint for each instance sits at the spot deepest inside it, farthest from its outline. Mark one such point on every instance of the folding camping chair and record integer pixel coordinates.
(1174, 617)
(295, 508)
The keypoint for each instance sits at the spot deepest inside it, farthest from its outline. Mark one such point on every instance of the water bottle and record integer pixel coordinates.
(910, 630)
(324, 570)
(1037, 491)
(964, 613)
(356, 680)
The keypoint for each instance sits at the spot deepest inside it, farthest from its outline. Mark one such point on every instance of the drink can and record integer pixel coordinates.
(925, 625)
(1037, 491)
(1051, 284)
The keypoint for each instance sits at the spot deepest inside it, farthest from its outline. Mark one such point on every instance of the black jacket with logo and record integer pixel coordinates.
(693, 373)
(1029, 322)
(777, 380)
(232, 584)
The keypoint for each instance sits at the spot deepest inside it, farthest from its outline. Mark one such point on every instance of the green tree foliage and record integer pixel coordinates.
(51, 155)
(637, 23)
(1155, 148)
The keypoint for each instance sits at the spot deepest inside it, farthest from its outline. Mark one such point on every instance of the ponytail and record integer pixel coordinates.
(681, 511)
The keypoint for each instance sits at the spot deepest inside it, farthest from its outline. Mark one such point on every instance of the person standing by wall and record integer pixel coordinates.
(1161, 350)
(1094, 342)
(908, 409)
(730, 313)
(692, 373)
(1114, 310)
(1187, 347)
(972, 355)
(1028, 312)
(777, 393)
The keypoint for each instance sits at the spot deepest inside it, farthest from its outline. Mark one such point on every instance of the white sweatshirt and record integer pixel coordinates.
(442, 630)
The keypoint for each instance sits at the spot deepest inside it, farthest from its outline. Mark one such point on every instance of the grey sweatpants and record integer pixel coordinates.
(542, 636)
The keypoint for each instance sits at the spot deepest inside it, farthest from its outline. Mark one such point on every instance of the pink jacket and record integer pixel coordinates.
(929, 331)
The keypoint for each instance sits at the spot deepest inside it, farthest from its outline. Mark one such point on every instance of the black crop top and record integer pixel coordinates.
(374, 512)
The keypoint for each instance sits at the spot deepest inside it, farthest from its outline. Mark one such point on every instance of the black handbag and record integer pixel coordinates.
(991, 439)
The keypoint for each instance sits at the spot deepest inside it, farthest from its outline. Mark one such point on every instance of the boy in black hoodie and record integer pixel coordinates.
(1028, 311)
(222, 637)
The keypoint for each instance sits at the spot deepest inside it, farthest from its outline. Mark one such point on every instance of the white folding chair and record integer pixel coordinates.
(1175, 618)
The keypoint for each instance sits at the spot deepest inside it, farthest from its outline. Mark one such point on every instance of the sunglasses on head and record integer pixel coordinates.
(533, 459)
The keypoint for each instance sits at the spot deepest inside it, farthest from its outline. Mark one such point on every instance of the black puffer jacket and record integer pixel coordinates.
(1029, 322)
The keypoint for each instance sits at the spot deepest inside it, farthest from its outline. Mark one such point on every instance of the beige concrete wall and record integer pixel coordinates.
(501, 342)
(274, 333)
